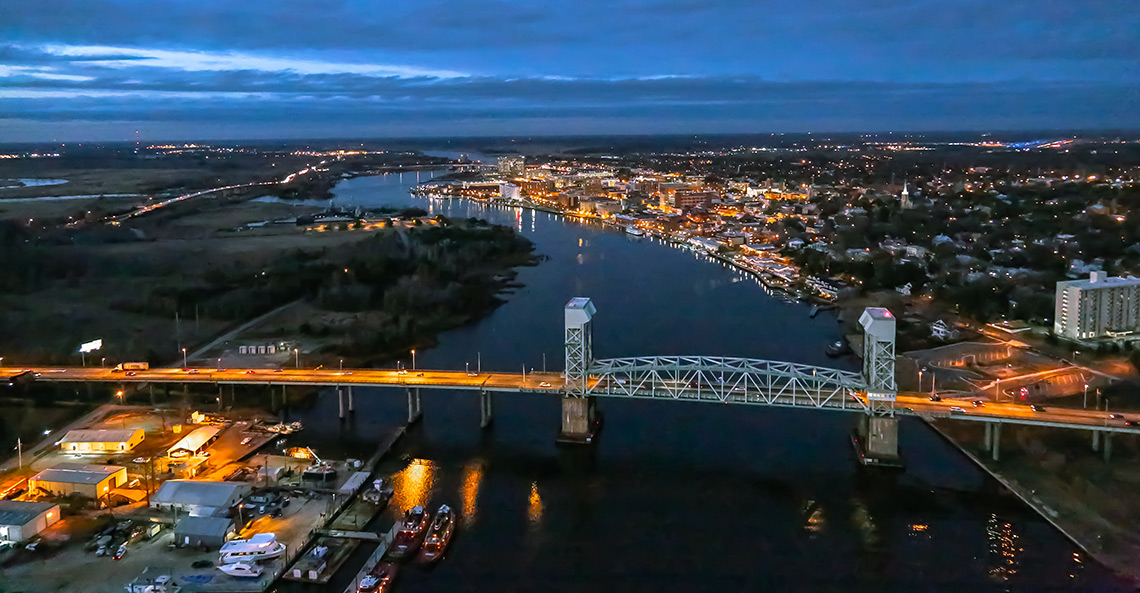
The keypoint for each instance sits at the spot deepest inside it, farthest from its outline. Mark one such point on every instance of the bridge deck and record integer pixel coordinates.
(749, 392)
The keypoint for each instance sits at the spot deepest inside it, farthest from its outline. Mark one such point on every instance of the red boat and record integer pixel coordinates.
(379, 579)
(410, 536)
(438, 535)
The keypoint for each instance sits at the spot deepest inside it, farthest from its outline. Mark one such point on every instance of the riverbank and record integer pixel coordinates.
(1086, 499)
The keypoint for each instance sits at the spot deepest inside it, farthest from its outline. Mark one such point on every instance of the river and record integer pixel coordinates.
(677, 496)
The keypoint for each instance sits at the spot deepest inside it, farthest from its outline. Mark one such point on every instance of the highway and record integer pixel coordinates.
(908, 403)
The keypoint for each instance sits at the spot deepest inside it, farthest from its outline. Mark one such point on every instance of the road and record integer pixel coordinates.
(908, 403)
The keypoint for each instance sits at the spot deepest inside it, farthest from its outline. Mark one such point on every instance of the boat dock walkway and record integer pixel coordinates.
(385, 541)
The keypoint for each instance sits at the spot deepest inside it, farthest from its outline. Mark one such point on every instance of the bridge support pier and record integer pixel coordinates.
(579, 420)
(340, 402)
(351, 407)
(996, 445)
(414, 410)
(989, 442)
(1095, 441)
(876, 441)
(1108, 446)
(485, 409)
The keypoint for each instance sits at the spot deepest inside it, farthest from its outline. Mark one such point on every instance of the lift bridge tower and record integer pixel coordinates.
(578, 409)
(877, 435)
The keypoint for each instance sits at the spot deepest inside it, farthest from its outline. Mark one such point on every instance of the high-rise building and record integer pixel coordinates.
(1097, 307)
(512, 166)
(509, 191)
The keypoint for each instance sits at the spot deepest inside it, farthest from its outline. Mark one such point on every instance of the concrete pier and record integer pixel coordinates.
(415, 412)
(876, 441)
(579, 424)
(485, 409)
(996, 445)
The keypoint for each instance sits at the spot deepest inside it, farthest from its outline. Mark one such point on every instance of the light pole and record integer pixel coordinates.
(1086, 396)
(219, 363)
(184, 363)
(297, 354)
(920, 379)
(413, 359)
(342, 364)
(467, 367)
(103, 363)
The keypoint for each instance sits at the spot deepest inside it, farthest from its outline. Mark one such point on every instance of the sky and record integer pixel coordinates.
(75, 70)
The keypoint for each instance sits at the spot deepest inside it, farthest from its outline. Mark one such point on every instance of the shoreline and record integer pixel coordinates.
(1122, 568)
(799, 295)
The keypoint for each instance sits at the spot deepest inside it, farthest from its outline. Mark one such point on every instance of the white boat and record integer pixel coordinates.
(636, 232)
(262, 546)
(241, 569)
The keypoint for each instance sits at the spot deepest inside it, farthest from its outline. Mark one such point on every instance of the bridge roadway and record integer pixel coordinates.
(911, 404)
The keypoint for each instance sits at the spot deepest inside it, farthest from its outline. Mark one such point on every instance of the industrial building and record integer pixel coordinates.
(20, 520)
(209, 532)
(199, 498)
(195, 442)
(101, 441)
(92, 481)
(1098, 307)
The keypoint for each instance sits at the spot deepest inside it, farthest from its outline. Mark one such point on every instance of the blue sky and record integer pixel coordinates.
(100, 70)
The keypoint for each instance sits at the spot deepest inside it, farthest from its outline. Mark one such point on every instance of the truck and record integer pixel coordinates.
(130, 366)
(21, 378)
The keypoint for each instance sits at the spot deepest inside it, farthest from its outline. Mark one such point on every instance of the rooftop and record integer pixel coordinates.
(197, 438)
(20, 512)
(99, 436)
(77, 473)
(200, 492)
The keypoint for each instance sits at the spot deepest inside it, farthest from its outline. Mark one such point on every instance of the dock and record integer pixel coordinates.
(385, 541)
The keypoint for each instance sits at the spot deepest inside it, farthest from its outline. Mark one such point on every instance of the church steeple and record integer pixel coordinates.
(904, 200)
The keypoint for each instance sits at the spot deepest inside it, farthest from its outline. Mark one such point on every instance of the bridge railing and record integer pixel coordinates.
(727, 380)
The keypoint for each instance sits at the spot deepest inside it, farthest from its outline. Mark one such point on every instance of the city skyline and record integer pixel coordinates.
(102, 71)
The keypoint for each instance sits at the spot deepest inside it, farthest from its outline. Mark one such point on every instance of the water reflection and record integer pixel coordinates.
(469, 490)
(534, 514)
(1005, 549)
(814, 521)
(413, 484)
(864, 524)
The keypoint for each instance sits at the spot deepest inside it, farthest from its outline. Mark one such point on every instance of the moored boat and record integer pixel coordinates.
(241, 569)
(410, 536)
(262, 546)
(379, 579)
(438, 536)
(633, 230)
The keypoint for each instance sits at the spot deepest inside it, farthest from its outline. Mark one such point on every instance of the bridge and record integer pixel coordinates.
(871, 394)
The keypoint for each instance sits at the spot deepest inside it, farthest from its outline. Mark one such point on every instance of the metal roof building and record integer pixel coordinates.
(200, 498)
(101, 441)
(210, 532)
(20, 520)
(196, 441)
(94, 481)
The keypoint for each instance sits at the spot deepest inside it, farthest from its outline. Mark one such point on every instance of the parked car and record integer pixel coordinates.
(1037, 408)
(122, 551)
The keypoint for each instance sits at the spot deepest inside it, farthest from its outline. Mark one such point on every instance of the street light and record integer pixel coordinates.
(342, 364)
(184, 358)
(297, 354)
(1086, 396)
(920, 378)
(413, 360)
(103, 363)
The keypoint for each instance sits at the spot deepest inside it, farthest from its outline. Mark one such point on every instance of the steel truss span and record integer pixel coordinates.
(727, 380)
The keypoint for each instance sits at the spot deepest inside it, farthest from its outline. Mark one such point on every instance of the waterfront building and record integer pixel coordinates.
(509, 191)
(1098, 307)
(92, 481)
(199, 498)
(100, 441)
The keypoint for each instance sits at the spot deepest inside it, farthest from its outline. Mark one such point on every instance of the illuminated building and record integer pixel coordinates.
(511, 166)
(21, 520)
(1097, 307)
